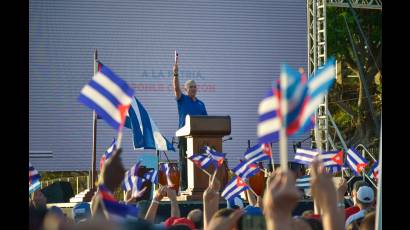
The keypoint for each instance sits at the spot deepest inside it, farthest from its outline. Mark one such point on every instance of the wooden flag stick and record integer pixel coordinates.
(250, 188)
(283, 143)
(273, 162)
(119, 138)
(207, 173)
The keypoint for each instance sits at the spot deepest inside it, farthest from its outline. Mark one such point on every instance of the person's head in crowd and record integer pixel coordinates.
(355, 225)
(176, 221)
(369, 221)
(38, 200)
(58, 213)
(356, 187)
(55, 219)
(307, 223)
(226, 212)
(196, 216)
(81, 212)
(365, 197)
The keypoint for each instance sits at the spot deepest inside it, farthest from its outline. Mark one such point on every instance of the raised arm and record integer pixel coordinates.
(324, 192)
(152, 210)
(211, 199)
(177, 89)
(175, 212)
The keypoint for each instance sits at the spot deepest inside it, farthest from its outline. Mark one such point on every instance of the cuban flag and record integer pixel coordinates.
(258, 152)
(201, 160)
(234, 187)
(166, 168)
(355, 161)
(332, 158)
(129, 175)
(151, 176)
(108, 153)
(303, 182)
(115, 211)
(269, 122)
(305, 156)
(374, 171)
(146, 134)
(133, 183)
(33, 179)
(318, 86)
(108, 95)
(218, 158)
(270, 116)
(246, 170)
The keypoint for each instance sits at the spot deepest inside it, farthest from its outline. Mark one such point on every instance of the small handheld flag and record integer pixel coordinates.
(201, 161)
(355, 161)
(234, 187)
(246, 170)
(374, 171)
(114, 210)
(33, 179)
(218, 158)
(258, 152)
(151, 176)
(108, 153)
(109, 96)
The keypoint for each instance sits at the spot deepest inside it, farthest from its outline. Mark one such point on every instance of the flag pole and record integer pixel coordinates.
(271, 159)
(283, 111)
(379, 186)
(94, 147)
(250, 188)
(206, 172)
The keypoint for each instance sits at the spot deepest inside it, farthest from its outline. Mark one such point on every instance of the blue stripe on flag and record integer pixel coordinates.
(118, 81)
(105, 93)
(101, 112)
(271, 137)
(267, 116)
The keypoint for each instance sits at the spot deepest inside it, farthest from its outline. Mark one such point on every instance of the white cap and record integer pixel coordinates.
(365, 194)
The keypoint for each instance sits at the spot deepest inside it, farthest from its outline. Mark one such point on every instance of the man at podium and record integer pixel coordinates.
(187, 104)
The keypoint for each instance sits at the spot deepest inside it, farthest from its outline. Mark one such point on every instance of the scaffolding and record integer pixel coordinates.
(317, 55)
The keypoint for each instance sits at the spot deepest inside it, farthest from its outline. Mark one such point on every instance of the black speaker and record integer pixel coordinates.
(58, 192)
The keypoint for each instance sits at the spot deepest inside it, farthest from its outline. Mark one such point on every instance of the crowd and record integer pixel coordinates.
(273, 211)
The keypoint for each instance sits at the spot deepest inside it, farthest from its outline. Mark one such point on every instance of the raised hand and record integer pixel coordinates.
(113, 171)
(161, 193)
(225, 223)
(280, 199)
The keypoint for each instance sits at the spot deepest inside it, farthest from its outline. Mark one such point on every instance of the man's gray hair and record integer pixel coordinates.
(188, 83)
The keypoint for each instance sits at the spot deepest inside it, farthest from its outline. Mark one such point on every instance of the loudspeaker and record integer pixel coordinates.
(58, 192)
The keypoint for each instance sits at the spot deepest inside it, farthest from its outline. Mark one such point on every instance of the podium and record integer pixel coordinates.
(201, 131)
